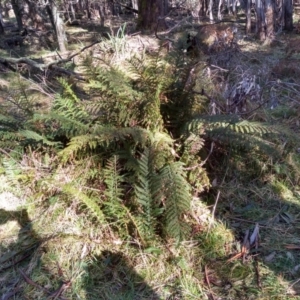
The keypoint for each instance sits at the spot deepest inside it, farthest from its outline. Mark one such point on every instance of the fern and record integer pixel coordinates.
(144, 193)
(34, 136)
(105, 137)
(115, 210)
(171, 188)
(230, 129)
(91, 203)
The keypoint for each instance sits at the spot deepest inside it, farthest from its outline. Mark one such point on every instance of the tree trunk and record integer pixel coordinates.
(210, 10)
(260, 20)
(18, 13)
(234, 9)
(1, 22)
(72, 11)
(88, 10)
(58, 26)
(151, 15)
(220, 10)
(248, 16)
(288, 14)
(270, 18)
(101, 13)
(196, 12)
(135, 6)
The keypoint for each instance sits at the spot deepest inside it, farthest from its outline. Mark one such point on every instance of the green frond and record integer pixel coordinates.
(172, 189)
(59, 125)
(103, 136)
(91, 203)
(229, 122)
(9, 122)
(143, 193)
(31, 135)
(115, 210)
(230, 129)
(67, 91)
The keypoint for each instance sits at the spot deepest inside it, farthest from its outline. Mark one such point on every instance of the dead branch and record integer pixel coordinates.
(52, 65)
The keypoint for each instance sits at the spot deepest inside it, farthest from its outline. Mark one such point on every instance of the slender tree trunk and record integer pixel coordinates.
(135, 6)
(58, 26)
(234, 10)
(210, 10)
(288, 14)
(248, 16)
(101, 13)
(88, 11)
(270, 18)
(72, 11)
(219, 10)
(80, 5)
(260, 20)
(1, 22)
(196, 12)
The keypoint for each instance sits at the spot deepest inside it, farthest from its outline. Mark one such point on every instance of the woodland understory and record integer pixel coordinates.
(158, 165)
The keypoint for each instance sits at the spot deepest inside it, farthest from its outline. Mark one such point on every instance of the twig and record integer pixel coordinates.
(213, 211)
(208, 282)
(257, 272)
(56, 294)
(31, 282)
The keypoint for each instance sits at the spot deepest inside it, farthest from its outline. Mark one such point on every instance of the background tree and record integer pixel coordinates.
(288, 14)
(58, 25)
(151, 14)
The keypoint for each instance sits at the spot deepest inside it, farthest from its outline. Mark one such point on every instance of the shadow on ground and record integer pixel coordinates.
(26, 271)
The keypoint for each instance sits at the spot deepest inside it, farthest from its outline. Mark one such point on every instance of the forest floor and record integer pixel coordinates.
(67, 257)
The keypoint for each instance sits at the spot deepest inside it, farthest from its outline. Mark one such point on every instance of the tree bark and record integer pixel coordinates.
(1, 23)
(151, 15)
(18, 13)
(248, 16)
(210, 10)
(270, 18)
(220, 10)
(260, 20)
(288, 14)
(58, 26)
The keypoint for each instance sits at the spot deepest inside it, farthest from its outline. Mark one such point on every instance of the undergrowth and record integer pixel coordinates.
(121, 182)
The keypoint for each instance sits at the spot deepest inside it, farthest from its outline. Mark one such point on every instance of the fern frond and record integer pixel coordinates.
(230, 122)
(114, 208)
(144, 195)
(104, 136)
(171, 188)
(59, 125)
(32, 135)
(90, 202)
